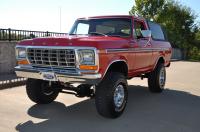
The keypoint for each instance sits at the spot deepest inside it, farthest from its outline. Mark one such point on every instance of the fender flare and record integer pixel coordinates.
(112, 62)
(161, 57)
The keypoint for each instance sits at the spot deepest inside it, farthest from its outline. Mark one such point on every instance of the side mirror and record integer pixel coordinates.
(146, 33)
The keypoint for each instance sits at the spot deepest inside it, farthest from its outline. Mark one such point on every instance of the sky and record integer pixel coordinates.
(44, 15)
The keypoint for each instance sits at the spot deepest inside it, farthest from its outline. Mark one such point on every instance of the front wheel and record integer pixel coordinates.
(111, 95)
(40, 91)
(157, 79)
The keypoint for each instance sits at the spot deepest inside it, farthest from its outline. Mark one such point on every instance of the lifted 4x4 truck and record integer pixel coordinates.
(99, 55)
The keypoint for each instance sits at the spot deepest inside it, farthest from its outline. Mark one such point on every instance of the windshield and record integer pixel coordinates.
(103, 27)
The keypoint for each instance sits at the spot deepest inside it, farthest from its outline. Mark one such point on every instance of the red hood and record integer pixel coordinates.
(100, 42)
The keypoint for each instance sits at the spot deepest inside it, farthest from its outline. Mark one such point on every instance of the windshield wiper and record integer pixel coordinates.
(72, 34)
(97, 33)
(117, 36)
(76, 34)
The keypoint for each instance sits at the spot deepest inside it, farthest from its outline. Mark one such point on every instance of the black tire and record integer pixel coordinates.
(105, 92)
(156, 85)
(84, 90)
(39, 92)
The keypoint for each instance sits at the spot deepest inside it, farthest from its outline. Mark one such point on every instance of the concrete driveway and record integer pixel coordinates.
(177, 109)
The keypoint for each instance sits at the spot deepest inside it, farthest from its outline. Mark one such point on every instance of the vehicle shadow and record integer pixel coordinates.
(171, 111)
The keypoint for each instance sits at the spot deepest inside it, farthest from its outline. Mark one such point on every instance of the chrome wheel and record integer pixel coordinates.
(162, 77)
(119, 96)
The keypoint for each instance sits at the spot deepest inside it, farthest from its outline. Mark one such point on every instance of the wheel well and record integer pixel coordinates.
(119, 66)
(161, 60)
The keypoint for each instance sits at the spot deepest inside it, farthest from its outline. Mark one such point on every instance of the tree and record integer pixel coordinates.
(180, 24)
(178, 20)
(148, 8)
(197, 38)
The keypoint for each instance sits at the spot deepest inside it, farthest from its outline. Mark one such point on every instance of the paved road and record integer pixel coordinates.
(177, 109)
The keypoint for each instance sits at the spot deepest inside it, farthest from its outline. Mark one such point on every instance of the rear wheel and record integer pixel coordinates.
(157, 79)
(40, 91)
(111, 95)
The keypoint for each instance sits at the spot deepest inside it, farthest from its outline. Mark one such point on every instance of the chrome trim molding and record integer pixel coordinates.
(136, 50)
(117, 50)
(111, 64)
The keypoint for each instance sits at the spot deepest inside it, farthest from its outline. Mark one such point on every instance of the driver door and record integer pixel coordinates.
(142, 48)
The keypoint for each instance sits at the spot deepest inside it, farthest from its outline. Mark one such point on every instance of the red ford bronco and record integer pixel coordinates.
(95, 60)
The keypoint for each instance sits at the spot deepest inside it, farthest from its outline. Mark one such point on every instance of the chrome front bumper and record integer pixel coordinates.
(62, 77)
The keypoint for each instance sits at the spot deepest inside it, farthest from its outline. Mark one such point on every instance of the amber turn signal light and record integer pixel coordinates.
(86, 67)
(22, 62)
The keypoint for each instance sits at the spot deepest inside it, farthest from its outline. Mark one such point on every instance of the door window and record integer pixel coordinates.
(138, 27)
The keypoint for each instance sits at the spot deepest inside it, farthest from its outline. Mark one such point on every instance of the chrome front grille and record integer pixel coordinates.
(52, 57)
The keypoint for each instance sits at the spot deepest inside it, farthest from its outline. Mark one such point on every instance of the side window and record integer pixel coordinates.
(156, 31)
(82, 28)
(138, 26)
